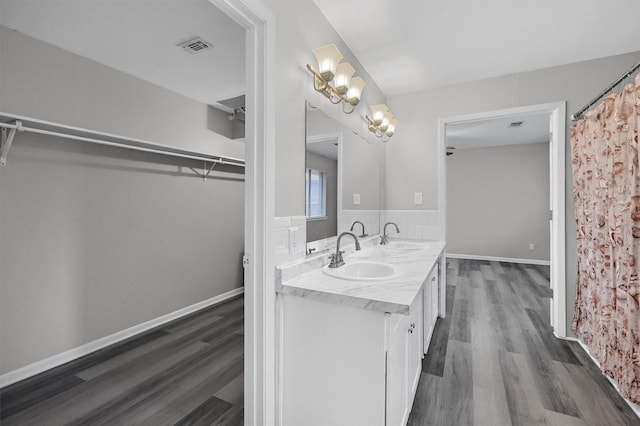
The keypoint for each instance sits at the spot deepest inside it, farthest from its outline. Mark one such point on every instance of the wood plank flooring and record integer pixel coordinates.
(188, 372)
(495, 361)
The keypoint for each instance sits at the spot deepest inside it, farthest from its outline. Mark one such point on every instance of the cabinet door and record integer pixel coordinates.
(397, 378)
(435, 283)
(414, 347)
(427, 308)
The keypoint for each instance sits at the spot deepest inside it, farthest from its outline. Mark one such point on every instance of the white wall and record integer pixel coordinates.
(301, 27)
(94, 240)
(412, 158)
(498, 202)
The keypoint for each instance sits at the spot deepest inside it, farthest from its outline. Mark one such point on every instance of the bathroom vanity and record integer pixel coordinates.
(351, 346)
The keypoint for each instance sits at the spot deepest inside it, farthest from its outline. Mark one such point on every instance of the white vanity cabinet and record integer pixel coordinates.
(431, 299)
(343, 365)
(404, 362)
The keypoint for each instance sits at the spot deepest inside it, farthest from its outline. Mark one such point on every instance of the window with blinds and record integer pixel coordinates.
(316, 194)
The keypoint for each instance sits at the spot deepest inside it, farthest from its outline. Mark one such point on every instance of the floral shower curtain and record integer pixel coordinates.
(606, 194)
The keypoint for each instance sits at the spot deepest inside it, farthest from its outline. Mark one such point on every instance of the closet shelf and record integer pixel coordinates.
(12, 124)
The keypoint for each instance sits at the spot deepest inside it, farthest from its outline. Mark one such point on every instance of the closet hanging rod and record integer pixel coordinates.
(75, 133)
(576, 116)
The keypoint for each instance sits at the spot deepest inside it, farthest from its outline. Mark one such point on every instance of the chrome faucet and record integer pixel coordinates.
(336, 258)
(384, 240)
(354, 224)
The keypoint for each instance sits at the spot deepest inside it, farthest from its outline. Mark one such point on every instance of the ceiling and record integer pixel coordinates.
(412, 45)
(324, 147)
(405, 45)
(140, 37)
(498, 132)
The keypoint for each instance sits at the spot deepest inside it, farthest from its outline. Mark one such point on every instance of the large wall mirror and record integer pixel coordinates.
(344, 177)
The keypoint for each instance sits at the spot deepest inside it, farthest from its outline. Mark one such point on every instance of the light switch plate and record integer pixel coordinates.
(356, 199)
(417, 198)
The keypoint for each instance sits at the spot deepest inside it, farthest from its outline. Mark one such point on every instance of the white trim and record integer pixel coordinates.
(442, 208)
(557, 111)
(82, 350)
(634, 407)
(260, 332)
(499, 259)
(558, 256)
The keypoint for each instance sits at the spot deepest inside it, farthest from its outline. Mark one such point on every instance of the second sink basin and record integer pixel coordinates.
(362, 271)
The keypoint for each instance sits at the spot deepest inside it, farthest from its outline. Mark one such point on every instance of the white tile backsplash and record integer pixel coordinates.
(413, 224)
(370, 218)
(279, 222)
(299, 221)
(290, 236)
(290, 232)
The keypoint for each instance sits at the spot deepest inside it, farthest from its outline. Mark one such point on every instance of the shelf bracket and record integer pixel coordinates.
(7, 139)
(205, 174)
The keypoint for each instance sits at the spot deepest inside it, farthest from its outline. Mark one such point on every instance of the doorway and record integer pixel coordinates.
(556, 113)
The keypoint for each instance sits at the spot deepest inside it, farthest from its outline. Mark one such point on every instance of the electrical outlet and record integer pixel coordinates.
(417, 198)
(356, 199)
(532, 246)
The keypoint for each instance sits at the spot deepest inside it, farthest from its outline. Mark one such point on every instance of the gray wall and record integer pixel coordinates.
(498, 201)
(45, 82)
(363, 163)
(412, 157)
(319, 229)
(94, 240)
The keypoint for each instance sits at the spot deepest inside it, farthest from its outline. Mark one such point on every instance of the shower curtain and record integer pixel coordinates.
(606, 194)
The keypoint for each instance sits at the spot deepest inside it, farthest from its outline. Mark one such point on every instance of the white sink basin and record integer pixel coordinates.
(404, 245)
(362, 271)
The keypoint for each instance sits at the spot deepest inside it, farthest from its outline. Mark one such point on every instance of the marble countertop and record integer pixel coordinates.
(306, 279)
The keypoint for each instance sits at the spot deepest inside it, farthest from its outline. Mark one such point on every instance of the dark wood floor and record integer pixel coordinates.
(494, 360)
(189, 372)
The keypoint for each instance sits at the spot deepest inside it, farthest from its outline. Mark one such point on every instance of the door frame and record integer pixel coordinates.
(259, 285)
(557, 113)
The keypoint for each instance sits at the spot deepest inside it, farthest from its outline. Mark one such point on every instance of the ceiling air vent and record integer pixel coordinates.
(515, 124)
(195, 45)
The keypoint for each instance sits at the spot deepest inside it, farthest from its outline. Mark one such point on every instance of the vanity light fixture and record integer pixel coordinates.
(345, 89)
(382, 123)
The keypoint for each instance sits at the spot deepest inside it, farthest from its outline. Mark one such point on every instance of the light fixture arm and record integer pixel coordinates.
(348, 111)
(335, 96)
(320, 85)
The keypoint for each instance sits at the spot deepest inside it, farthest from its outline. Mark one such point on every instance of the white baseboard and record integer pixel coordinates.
(499, 259)
(634, 407)
(80, 351)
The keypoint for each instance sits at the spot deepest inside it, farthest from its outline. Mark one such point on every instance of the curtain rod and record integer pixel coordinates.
(576, 116)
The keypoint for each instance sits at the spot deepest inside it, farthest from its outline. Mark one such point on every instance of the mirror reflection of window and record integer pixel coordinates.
(316, 194)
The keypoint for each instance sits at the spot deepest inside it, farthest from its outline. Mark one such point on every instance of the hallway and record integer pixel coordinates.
(494, 360)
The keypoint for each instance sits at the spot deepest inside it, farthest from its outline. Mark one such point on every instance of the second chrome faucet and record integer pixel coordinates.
(384, 239)
(353, 226)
